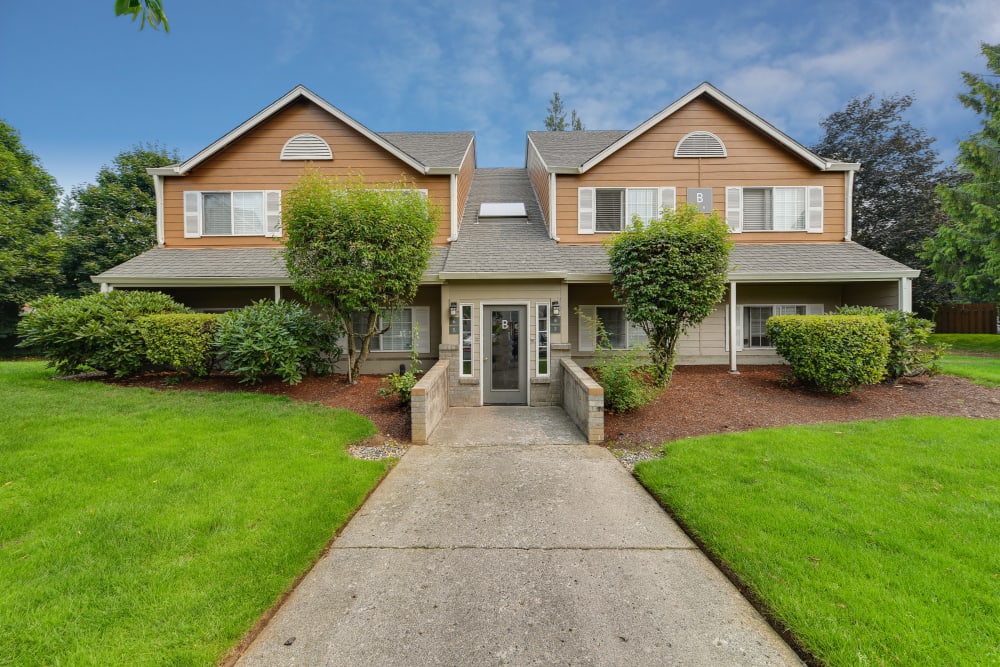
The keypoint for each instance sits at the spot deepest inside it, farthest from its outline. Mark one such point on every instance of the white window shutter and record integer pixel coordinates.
(734, 209)
(814, 209)
(815, 309)
(585, 211)
(668, 199)
(587, 316)
(422, 325)
(192, 214)
(272, 213)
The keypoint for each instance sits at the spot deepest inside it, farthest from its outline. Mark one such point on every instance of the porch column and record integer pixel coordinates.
(732, 327)
(906, 294)
(106, 288)
(277, 293)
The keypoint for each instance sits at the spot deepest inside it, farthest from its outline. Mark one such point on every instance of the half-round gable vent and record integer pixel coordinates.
(306, 147)
(700, 144)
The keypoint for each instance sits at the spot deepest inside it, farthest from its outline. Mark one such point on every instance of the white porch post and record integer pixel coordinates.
(106, 288)
(906, 294)
(732, 327)
(277, 293)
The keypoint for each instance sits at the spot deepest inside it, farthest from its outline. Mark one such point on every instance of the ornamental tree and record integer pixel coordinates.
(357, 251)
(966, 249)
(670, 274)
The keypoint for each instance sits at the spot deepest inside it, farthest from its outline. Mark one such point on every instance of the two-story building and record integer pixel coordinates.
(518, 272)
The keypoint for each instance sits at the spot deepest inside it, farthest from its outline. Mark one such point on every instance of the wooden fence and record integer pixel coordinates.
(967, 318)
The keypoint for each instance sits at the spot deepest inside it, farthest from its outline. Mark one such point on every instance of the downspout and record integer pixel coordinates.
(732, 328)
(453, 186)
(849, 205)
(552, 207)
(158, 190)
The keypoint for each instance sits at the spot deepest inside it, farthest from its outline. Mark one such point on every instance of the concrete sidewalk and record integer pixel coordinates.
(497, 555)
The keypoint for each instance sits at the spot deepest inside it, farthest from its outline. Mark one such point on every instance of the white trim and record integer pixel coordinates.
(733, 106)
(553, 229)
(548, 339)
(731, 340)
(158, 190)
(278, 105)
(453, 202)
(906, 294)
(848, 205)
(822, 277)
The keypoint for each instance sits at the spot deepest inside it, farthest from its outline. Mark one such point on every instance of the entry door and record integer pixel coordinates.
(505, 371)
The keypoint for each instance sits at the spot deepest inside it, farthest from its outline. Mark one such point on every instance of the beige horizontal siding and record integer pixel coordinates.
(753, 159)
(252, 163)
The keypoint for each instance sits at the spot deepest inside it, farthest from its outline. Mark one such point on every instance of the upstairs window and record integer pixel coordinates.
(775, 209)
(236, 213)
(613, 209)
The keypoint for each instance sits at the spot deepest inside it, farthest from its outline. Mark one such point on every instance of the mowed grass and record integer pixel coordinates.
(154, 528)
(876, 543)
(975, 357)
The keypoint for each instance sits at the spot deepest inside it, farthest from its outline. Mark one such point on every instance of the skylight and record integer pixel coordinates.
(502, 210)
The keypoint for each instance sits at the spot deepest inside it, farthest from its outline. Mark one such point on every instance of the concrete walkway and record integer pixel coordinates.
(507, 425)
(514, 555)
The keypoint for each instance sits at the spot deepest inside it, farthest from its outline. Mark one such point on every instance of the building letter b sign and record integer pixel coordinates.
(700, 198)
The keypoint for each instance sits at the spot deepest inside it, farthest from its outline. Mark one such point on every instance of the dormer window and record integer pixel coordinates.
(700, 144)
(306, 147)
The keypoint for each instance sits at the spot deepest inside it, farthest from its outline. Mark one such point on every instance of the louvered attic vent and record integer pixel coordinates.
(306, 147)
(700, 144)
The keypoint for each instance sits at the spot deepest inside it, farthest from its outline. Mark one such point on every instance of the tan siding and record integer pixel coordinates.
(754, 159)
(252, 163)
(465, 175)
(539, 180)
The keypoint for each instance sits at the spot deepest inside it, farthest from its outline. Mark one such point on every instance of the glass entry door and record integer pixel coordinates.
(505, 370)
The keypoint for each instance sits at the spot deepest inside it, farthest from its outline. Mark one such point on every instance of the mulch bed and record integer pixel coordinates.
(700, 400)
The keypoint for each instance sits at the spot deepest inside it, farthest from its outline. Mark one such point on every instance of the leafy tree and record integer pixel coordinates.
(670, 274)
(115, 220)
(556, 120)
(146, 11)
(895, 204)
(966, 250)
(30, 249)
(358, 252)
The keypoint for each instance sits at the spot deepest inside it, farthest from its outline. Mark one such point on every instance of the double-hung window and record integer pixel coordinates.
(775, 209)
(614, 209)
(405, 325)
(232, 213)
(751, 328)
(619, 332)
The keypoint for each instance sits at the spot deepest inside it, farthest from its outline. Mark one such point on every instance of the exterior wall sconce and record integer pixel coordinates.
(453, 309)
(452, 318)
(555, 309)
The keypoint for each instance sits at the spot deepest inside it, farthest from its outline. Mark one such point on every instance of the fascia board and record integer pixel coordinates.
(189, 282)
(726, 101)
(278, 105)
(162, 171)
(502, 275)
(837, 276)
(531, 146)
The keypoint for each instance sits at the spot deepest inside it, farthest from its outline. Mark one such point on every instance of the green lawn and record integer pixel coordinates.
(980, 361)
(877, 543)
(141, 527)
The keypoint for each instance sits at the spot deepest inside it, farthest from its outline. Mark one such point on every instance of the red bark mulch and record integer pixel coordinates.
(699, 400)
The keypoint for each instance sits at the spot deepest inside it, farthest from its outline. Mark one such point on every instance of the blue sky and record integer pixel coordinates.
(82, 85)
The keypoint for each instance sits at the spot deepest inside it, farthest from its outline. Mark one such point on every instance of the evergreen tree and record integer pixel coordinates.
(894, 203)
(966, 250)
(556, 120)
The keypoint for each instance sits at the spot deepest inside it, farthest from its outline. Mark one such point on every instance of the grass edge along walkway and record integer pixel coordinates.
(872, 542)
(145, 527)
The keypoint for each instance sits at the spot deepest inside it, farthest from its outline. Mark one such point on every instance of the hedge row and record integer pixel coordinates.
(124, 333)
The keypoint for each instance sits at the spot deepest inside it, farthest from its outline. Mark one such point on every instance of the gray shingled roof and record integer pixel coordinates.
(238, 264)
(502, 245)
(437, 150)
(572, 149)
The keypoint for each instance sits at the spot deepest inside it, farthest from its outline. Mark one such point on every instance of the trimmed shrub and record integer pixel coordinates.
(910, 351)
(282, 339)
(628, 383)
(182, 341)
(94, 332)
(834, 352)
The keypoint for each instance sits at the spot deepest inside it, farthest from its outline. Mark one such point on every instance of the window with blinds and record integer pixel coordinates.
(774, 209)
(616, 207)
(237, 213)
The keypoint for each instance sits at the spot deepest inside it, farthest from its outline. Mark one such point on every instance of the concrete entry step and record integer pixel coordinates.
(506, 425)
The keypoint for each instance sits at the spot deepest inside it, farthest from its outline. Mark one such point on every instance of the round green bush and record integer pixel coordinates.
(181, 341)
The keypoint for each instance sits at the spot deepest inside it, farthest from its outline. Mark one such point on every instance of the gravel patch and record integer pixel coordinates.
(376, 452)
